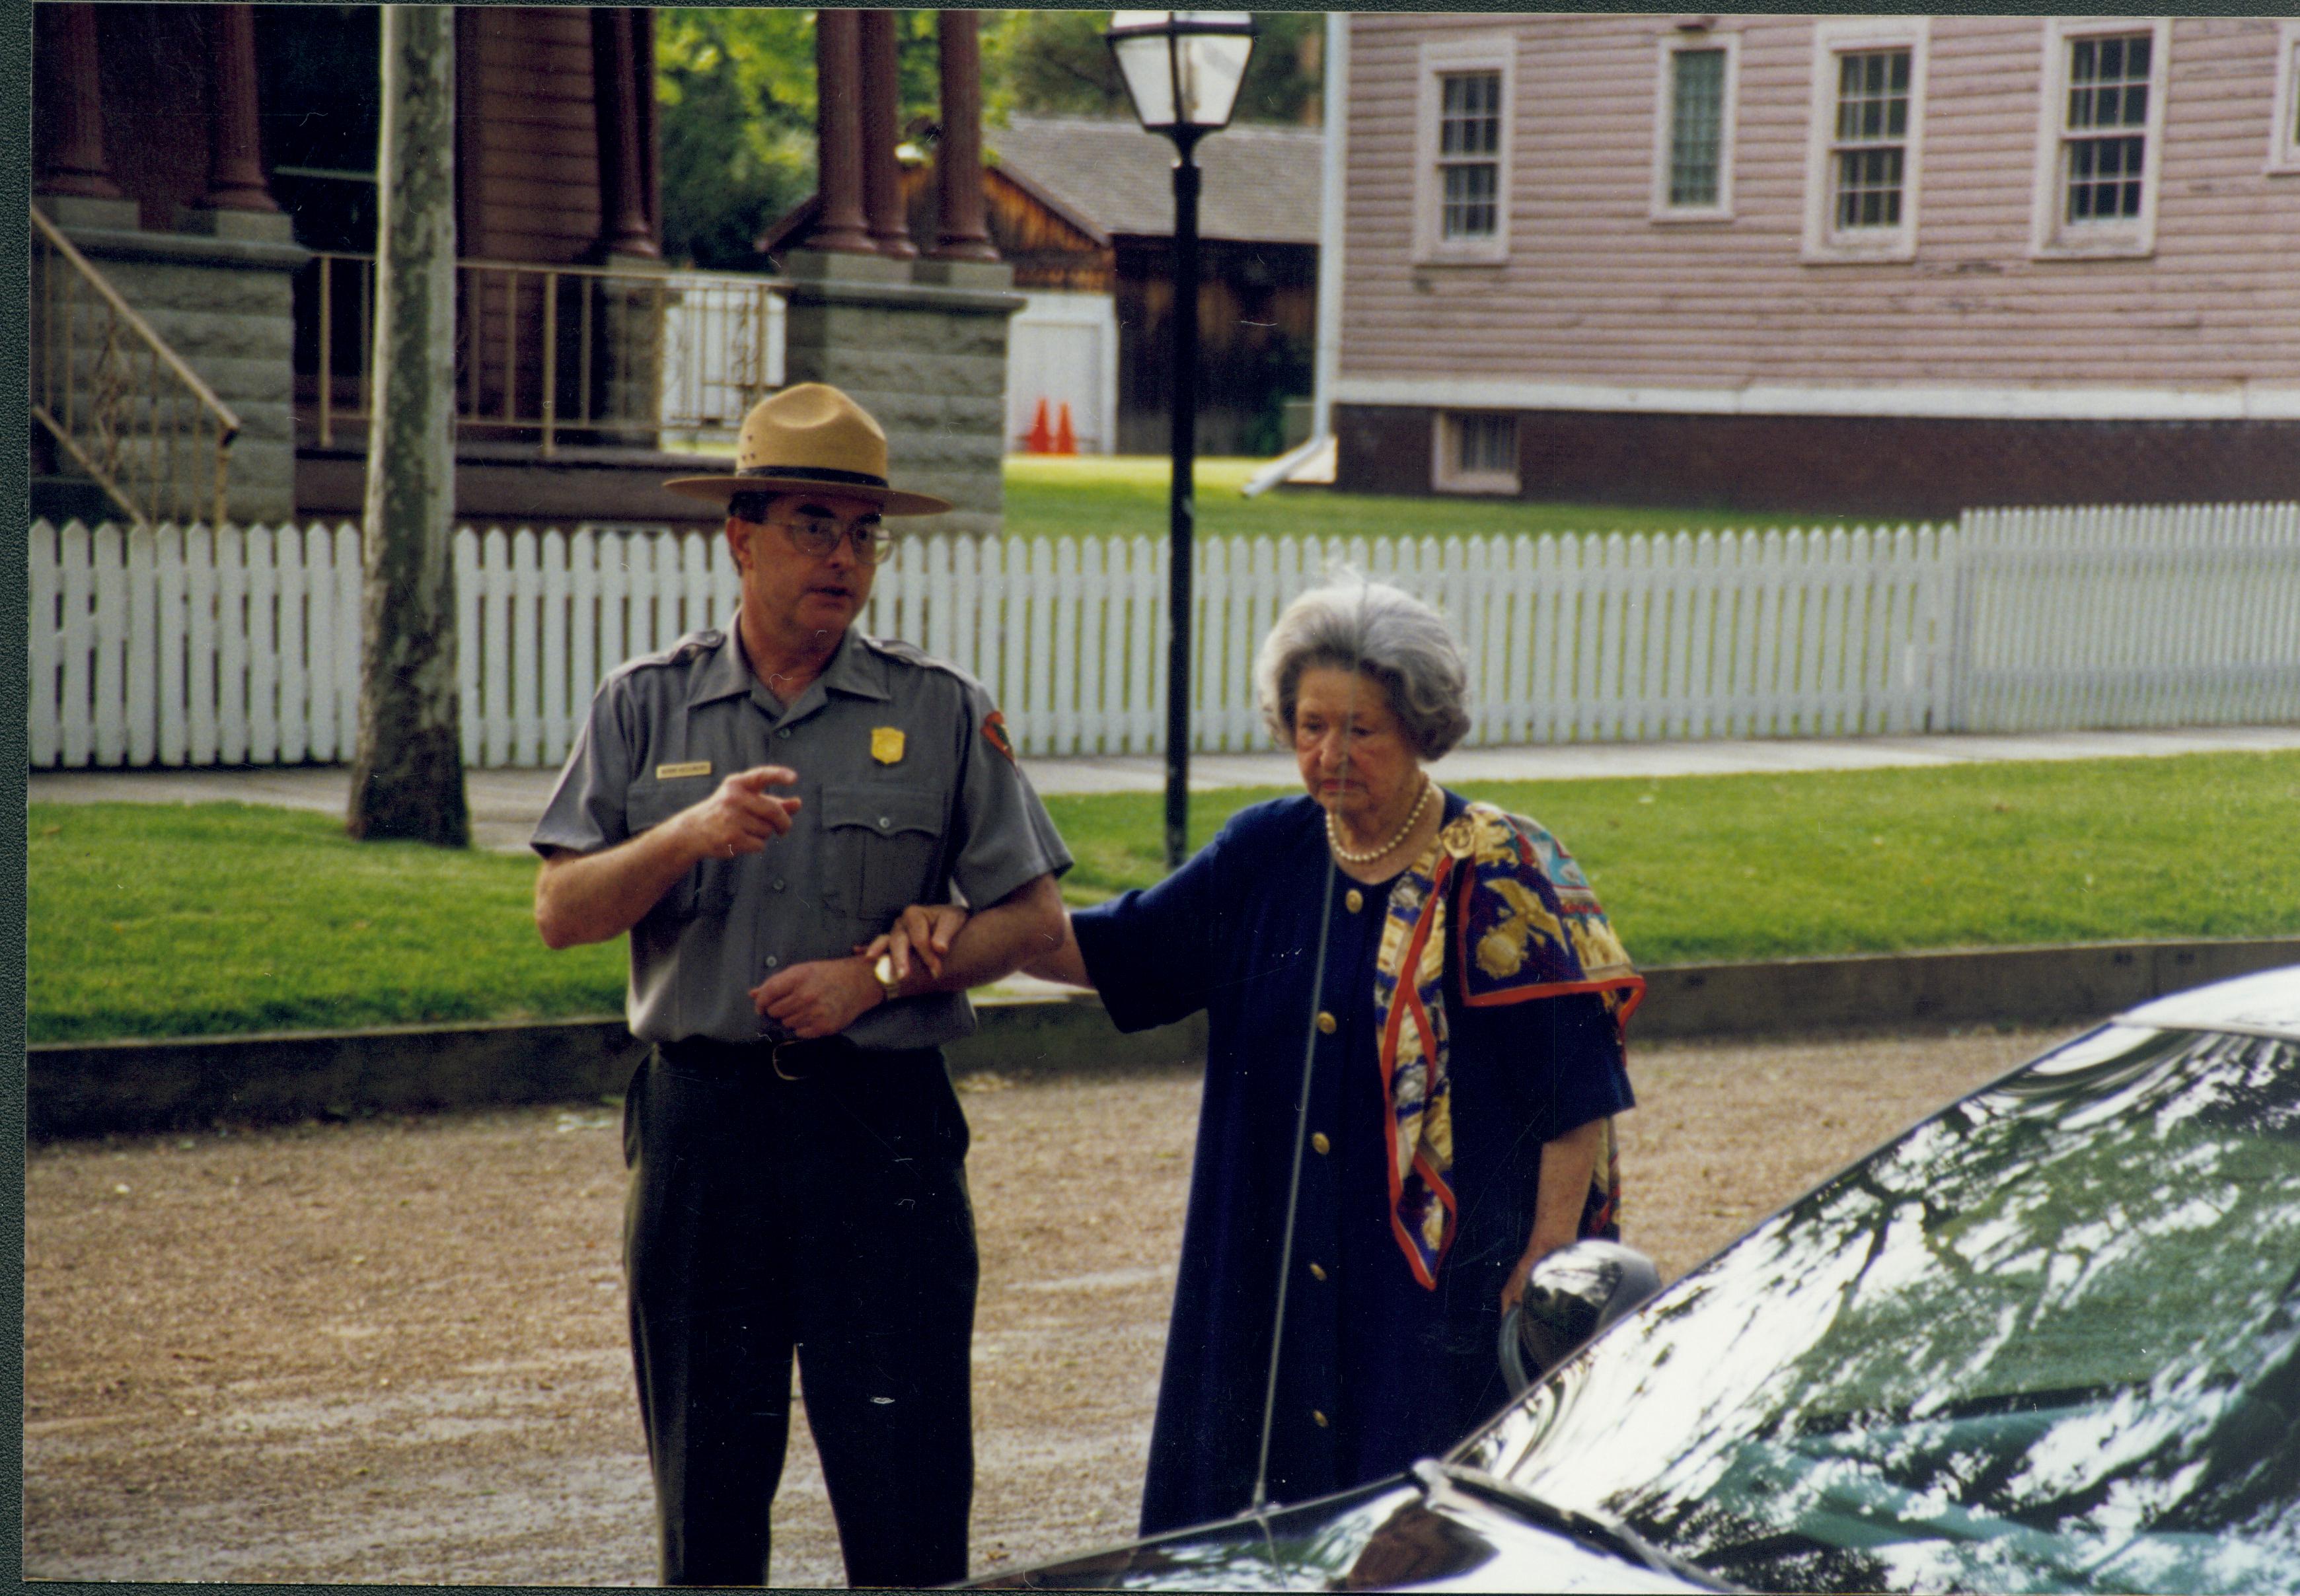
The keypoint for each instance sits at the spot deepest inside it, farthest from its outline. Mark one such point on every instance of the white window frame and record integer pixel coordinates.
(1673, 44)
(2283, 136)
(1448, 477)
(1470, 53)
(2050, 237)
(1824, 240)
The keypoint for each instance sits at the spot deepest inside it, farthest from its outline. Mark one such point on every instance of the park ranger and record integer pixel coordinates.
(757, 806)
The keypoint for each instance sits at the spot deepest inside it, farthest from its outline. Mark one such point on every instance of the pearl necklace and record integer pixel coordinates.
(1347, 856)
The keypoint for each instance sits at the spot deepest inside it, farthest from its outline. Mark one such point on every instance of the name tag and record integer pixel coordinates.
(691, 768)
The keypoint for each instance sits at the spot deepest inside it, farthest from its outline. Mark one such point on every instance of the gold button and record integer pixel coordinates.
(1354, 899)
(1318, 1140)
(1326, 1022)
(1319, 1418)
(1317, 1271)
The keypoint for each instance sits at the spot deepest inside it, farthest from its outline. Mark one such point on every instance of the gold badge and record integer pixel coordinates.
(886, 744)
(691, 768)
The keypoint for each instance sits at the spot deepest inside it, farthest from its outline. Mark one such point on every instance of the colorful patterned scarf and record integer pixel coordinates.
(1527, 926)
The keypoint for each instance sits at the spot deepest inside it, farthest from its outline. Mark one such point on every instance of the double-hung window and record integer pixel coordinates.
(1469, 155)
(2284, 130)
(1868, 149)
(1463, 177)
(1693, 127)
(2100, 135)
(1866, 140)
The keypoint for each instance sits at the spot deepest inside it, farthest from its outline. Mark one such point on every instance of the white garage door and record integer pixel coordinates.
(1062, 349)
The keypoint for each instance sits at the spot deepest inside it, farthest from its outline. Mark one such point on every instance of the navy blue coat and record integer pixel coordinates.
(1375, 1369)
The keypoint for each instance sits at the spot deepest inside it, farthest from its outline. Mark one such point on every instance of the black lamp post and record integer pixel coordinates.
(1182, 71)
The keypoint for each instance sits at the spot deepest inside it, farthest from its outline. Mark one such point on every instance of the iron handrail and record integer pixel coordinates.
(227, 421)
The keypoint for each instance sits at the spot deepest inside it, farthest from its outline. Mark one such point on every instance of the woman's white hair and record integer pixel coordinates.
(1351, 623)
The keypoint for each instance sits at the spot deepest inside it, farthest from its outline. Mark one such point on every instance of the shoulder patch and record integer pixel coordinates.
(994, 732)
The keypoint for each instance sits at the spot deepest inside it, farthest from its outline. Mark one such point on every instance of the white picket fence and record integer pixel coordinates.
(187, 646)
(2144, 616)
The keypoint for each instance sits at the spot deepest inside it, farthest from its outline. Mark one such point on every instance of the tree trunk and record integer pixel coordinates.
(407, 777)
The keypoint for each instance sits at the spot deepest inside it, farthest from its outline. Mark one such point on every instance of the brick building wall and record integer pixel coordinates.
(1869, 466)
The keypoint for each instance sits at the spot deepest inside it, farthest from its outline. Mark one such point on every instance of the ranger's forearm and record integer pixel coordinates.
(997, 941)
(590, 897)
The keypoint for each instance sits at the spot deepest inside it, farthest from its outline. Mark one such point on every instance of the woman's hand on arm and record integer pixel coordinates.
(923, 931)
(930, 932)
(824, 996)
(980, 946)
(1568, 1164)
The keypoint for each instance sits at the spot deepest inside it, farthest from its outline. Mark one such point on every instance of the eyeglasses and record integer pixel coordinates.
(819, 535)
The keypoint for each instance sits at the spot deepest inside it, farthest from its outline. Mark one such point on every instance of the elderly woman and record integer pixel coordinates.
(1441, 975)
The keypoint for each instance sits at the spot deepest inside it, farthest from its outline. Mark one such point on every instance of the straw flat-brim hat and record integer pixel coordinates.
(811, 437)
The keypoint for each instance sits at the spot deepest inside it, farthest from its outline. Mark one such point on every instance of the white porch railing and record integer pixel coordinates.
(184, 646)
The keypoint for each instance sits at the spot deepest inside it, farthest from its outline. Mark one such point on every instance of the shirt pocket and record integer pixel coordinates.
(883, 842)
(708, 885)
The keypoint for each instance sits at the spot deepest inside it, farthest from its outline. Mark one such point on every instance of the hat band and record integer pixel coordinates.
(814, 474)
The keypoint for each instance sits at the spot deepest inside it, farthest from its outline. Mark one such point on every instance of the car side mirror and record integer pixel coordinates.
(1569, 1296)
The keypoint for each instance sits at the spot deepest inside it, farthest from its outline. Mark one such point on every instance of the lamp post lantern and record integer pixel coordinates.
(1183, 69)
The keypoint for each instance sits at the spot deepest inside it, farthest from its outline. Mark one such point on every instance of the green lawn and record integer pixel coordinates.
(1126, 495)
(1740, 867)
(159, 920)
(150, 920)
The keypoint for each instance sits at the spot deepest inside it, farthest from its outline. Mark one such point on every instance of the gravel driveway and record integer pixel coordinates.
(392, 1349)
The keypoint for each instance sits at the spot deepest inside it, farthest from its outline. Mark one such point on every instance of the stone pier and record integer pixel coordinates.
(921, 345)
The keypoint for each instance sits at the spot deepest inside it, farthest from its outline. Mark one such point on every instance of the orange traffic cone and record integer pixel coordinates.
(1065, 440)
(1039, 440)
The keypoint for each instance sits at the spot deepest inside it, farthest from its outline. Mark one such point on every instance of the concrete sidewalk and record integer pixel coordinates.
(505, 803)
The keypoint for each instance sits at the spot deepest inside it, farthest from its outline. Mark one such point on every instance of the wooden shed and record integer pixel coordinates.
(1084, 206)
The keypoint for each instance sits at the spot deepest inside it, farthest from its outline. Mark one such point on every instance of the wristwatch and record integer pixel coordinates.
(883, 972)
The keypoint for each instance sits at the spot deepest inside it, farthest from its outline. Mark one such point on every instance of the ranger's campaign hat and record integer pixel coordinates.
(811, 436)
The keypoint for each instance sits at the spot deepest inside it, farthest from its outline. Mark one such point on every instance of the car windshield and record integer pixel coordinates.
(2050, 1340)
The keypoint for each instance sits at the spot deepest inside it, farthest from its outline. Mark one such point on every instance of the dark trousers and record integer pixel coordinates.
(828, 1217)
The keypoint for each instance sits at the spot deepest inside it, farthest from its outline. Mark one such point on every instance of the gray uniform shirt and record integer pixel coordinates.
(906, 791)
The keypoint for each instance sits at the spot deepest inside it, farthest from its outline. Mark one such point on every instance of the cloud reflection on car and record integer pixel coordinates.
(2049, 1339)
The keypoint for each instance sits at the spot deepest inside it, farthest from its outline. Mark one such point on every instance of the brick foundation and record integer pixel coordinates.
(1843, 465)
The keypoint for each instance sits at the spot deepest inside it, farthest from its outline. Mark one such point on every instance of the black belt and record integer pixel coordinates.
(794, 1059)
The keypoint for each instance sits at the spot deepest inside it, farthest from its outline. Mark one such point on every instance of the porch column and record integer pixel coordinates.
(234, 148)
(839, 133)
(958, 158)
(76, 164)
(625, 228)
(882, 177)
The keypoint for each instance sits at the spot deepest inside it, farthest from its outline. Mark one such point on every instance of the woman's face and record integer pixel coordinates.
(1356, 758)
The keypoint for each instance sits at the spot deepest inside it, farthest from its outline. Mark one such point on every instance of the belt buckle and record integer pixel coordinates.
(775, 1058)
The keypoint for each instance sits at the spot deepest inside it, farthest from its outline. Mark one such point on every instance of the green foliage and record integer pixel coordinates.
(735, 98)
(160, 920)
(1054, 62)
(736, 94)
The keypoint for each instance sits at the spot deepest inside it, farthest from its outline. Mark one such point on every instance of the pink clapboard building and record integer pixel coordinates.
(1854, 263)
